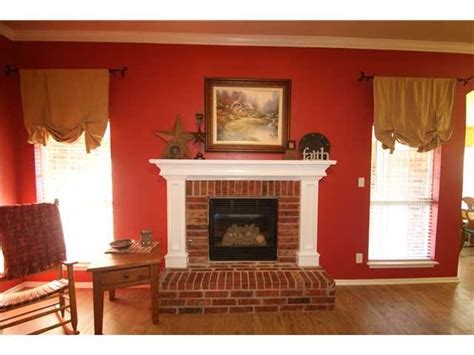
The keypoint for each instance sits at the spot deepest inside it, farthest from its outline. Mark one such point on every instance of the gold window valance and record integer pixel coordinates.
(64, 104)
(417, 112)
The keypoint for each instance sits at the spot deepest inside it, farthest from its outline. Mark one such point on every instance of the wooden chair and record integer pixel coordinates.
(469, 201)
(467, 230)
(32, 242)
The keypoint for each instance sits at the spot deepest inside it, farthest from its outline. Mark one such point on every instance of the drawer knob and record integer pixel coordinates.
(126, 276)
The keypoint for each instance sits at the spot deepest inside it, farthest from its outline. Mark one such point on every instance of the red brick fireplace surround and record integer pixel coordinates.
(198, 193)
(239, 287)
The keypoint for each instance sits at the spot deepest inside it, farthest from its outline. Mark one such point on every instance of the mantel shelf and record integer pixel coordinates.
(242, 169)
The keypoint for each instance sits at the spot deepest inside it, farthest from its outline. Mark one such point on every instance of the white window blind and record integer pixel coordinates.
(2, 262)
(401, 204)
(83, 184)
(468, 178)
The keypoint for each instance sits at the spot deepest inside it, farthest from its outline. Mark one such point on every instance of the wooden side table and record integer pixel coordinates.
(124, 270)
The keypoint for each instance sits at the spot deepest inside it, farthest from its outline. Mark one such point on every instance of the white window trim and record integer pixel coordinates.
(401, 264)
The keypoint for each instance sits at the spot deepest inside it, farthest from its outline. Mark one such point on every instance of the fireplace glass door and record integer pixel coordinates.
(243, 228)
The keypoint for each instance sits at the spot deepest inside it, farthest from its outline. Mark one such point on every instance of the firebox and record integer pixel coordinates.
(243, 228)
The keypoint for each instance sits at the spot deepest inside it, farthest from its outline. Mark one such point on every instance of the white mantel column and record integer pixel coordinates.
(177, 256)
(308, 255)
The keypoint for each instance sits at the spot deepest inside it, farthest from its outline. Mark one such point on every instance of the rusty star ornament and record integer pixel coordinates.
(176, 141)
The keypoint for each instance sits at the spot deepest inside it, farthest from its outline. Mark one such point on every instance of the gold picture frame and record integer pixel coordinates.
(247, 115)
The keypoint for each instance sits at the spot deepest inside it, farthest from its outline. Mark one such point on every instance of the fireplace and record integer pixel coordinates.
(190, 183)
(248, 200)
(243, 228)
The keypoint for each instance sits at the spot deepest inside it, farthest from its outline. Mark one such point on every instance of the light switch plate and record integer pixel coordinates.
(359, 258)
(361, 182)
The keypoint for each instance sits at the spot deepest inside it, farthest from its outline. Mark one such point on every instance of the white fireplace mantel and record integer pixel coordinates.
(176, 172)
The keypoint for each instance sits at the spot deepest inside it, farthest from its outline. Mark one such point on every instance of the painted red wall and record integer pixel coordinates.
(8, 193)
(164, 80)
(8, 186)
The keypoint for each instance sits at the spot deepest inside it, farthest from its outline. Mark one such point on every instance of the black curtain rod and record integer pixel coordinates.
(9, 70)
(364, 77)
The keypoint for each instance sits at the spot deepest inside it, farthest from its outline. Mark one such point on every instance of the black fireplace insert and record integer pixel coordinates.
(243, 228)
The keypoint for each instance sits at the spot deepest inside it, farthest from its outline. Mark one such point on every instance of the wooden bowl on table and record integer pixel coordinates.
(121, 244)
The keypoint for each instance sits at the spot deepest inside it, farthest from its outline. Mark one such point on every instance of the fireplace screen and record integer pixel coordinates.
(243, 228)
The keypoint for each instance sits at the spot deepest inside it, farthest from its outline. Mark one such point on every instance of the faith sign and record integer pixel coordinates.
(315, 154)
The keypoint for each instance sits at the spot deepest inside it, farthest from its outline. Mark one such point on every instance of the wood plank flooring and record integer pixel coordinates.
(389, 309)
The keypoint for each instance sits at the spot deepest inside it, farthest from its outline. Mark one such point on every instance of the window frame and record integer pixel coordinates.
(432, 202)
(42, 172)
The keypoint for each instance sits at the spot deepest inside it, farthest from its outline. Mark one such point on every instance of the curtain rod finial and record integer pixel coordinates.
(116, 71)
(9, 70)
(465, 81)
(364, 77)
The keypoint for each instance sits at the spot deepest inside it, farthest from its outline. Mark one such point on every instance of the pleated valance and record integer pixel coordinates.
(417, 112)
(64, 104)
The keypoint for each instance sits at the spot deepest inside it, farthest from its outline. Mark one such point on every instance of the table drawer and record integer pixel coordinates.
(126, 276)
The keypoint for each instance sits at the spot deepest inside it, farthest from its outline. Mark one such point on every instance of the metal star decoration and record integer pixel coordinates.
(176, 141)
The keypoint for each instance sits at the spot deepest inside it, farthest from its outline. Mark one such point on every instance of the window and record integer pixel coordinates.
(83, 184)
(2, 262)
(401, 204)
(468, 178)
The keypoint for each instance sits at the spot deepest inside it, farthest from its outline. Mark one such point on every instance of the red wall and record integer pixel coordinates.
(8, 187)
(8, 193)
(164, 80)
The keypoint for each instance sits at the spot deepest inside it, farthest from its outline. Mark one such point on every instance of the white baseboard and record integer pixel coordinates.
(421, 280)
(353, 282)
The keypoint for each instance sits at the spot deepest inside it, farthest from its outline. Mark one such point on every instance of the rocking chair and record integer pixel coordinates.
(32, 241)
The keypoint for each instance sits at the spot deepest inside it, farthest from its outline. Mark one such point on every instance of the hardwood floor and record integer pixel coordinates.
(389, 309)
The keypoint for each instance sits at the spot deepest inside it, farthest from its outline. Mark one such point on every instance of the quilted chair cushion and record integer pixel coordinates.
(32, 239)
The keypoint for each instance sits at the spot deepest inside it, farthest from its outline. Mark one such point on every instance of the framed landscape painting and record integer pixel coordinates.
(247, 115)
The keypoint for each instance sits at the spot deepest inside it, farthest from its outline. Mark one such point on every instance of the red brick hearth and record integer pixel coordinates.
(246, 288)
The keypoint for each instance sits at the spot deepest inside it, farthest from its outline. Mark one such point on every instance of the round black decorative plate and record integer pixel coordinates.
(314, 141)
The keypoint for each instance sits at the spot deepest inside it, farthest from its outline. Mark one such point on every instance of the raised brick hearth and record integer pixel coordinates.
(246, 288)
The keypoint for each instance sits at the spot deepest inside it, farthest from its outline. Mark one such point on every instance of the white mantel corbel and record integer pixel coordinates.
(176, 172)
